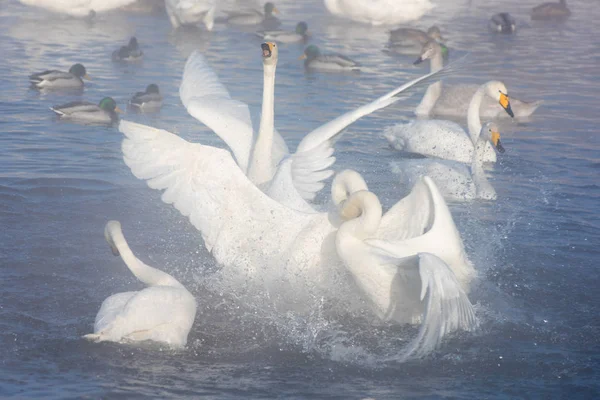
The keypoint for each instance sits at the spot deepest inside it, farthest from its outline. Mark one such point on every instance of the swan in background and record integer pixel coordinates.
(163, 312)
(551, 11)
(379, 12)
(453, 100)
(313, 59)
(502, 23)
(299, 35)
(84, 112)
(53, 79)
(78, 8)
(298, 179)
(149, 100)
(454, 180)
(447, 139)
(400, 285)
(191, 12)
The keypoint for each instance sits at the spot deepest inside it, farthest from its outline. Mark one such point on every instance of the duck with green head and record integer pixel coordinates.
(104, 113)
(151, 99)
(314, 59)
(53, 79)
(299, 35)
(266, 18)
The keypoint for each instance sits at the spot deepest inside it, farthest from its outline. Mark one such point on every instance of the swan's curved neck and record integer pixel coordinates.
(261, 164)
(473, 118)
(345, 184)
(146, 274)
(434, 90)
(365, 210)
(482, 185)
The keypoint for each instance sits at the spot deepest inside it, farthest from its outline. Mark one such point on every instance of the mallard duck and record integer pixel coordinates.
(313, 59)
(415, 37)
(551, 11)
(129, 53)
(53, 79)
(502, 23)
(105, 113)
(255, 17)
(299, 35)
(150, 99)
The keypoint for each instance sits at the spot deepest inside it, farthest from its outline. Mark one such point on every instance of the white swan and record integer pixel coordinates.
(447, 139)
(400, 285)
(454, 180)
(78, 8)
(191, 12)
(207, 100)
(379, 12)
(454, 100)
(163, 312)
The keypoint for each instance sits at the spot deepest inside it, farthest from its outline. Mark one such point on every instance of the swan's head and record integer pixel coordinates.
(490, 131)
(152, 88)
(270, 53)
(429, 49)
(357, 204)
(270, 9)
(302, 28)
(497, 90)
(435, 33)
(345, 184)
(79, 71)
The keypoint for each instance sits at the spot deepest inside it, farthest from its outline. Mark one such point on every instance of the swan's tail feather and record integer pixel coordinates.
(446, 307)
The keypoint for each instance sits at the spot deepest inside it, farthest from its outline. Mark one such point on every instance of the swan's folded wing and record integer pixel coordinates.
(314, 153)
(202, 182)
(446, 307)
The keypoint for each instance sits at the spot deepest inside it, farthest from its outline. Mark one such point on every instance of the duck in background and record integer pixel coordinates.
(551, 11)
(53, 79)
(299, 35)
(502, 23)
(129, 53)
(313, 59)
(266, 18)
(103, 113)
(415, 38)
(149, 100)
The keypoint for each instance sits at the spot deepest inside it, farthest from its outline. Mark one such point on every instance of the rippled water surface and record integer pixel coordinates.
(536, 248)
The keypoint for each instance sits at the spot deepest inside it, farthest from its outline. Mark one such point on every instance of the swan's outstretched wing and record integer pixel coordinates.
(445, 306)
(314, 153)
(205, 184)
(207, 100)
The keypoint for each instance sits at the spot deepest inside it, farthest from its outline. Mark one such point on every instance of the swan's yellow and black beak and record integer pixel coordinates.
(496, 142)
(267, 49)
(505, 103)
(419, 60)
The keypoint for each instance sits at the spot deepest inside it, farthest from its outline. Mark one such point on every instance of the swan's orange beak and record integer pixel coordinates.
(267, 49)
(496, 141)
(505, 103)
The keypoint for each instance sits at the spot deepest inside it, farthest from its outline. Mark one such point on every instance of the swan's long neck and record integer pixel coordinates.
(261, 165)
(362, 212)
(473, 118)
(146, 274)
(434, 90)
(345, 184)
(482, 185)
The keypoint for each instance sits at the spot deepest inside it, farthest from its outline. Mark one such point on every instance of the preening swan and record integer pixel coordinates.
(379, 12)
(400, 285)
(447, 139)
(78, 8)
(163, 312)
(453, 100)
(454, 180)
(191, 12)
(207, 100)
(53, 79)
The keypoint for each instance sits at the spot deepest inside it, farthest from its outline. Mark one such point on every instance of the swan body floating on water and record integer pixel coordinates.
(104, 113)
(78, 8)
(313, 59)
(502, 23)
(447, 139)
(207, 100)
(454, 180)
(149, 100)
(163, 312)
(551, 11)
(298, 35)
(453, 100)
(191, 12)
(53, 79)
(400, 285)
(379, 12)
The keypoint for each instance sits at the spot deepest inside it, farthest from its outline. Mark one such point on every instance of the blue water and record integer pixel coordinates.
(536, 248)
